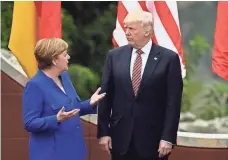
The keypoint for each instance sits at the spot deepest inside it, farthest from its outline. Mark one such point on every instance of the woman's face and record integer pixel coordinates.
(62, 60)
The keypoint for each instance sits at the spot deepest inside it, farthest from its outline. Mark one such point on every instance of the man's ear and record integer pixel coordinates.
(147, 32)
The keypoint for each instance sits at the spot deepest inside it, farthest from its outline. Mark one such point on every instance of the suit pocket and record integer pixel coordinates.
(57, 106)
(115, 121)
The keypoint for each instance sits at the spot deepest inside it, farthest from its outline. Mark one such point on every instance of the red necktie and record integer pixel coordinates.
(136, 75)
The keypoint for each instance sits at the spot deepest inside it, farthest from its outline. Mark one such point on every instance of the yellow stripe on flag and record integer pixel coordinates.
(23, 36)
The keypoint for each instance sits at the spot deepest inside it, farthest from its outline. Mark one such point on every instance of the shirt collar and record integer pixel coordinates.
(146, 49)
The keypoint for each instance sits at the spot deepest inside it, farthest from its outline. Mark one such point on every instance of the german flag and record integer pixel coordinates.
(33, 21)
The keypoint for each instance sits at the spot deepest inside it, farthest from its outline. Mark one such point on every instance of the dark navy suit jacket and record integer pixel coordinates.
(50, 140)
(152, 115)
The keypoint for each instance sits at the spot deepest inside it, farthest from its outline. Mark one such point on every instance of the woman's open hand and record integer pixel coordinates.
(62, 115)
(96, 97)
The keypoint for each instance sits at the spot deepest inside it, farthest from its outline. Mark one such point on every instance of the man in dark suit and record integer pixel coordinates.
(138, 119)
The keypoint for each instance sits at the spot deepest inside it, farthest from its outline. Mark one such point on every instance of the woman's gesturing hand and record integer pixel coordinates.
(96, 97)
(62, 115)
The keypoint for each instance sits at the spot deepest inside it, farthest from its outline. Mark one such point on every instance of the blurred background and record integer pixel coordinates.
(88, 26)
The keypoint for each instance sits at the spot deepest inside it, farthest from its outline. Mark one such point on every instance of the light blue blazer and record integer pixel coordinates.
(50, 140)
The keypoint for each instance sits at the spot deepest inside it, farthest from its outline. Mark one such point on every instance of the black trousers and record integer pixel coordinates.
(132, 154)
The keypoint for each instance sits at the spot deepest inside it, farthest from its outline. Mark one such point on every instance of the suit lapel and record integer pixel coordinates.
(125, 67)
(151, 64)
(48, 81)
(65, 84)
(68, 86)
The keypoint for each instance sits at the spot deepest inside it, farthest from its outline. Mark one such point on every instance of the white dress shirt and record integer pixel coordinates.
(146, 51)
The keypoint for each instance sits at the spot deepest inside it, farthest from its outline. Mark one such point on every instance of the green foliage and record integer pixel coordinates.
(99, 34)
(186, 103)
(84, 80)
(93, 37)
(69, 29)
(191, 89)
(198, 47)
(207, 101)
(216, 101)
(6, 21)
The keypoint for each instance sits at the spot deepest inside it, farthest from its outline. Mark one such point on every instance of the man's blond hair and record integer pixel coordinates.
(146, 18)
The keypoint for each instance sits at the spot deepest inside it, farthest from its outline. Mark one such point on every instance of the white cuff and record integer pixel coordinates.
(167, 142)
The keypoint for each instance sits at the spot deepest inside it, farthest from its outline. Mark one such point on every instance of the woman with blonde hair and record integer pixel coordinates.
(52, 107)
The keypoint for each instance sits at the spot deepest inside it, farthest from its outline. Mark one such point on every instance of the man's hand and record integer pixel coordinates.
(62, 115)
(106, 143)
(164, 149)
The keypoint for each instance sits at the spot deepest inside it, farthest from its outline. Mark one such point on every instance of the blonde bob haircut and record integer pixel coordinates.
(47, 49)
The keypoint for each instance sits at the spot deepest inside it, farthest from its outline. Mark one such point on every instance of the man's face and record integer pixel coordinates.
(135, 33)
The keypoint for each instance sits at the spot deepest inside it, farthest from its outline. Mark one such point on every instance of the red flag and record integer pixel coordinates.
(49, 17)
(220, 50)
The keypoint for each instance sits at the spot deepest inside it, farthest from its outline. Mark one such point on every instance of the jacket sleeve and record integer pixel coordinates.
(86, 108)
(104, 108)
(174, 96)
(32, 103)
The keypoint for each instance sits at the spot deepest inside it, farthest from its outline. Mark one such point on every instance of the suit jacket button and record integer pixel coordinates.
(77, 126)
